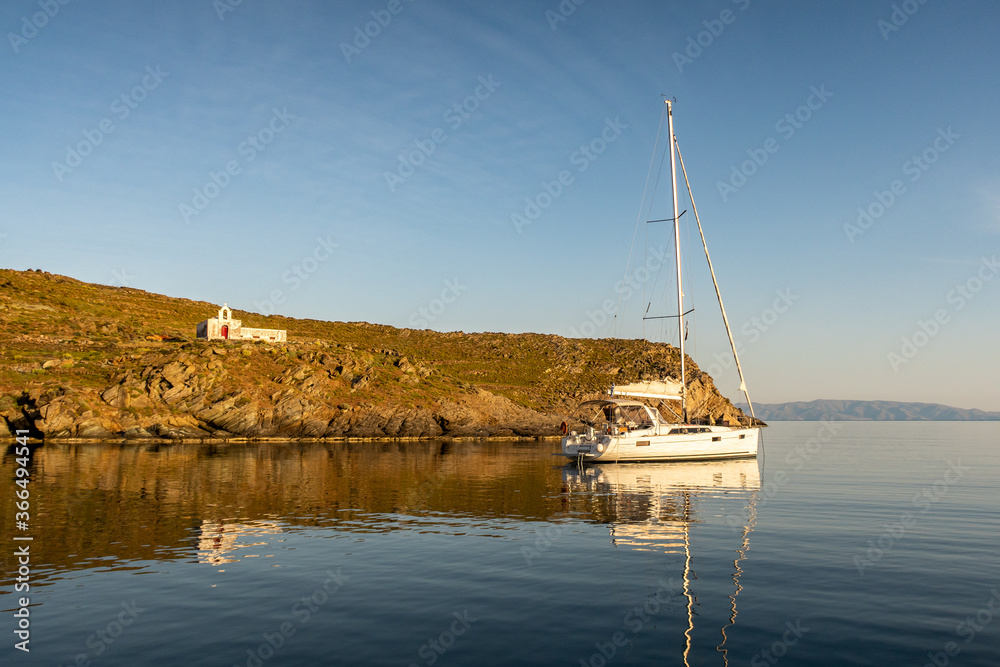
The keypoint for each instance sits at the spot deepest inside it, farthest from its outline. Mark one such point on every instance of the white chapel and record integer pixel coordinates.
(224, 327)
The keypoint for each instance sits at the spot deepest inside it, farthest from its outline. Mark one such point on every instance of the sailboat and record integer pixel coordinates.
(630, 430)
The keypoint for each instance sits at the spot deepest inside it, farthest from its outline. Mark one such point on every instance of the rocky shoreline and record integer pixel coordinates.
(122, 365)
(200, 391)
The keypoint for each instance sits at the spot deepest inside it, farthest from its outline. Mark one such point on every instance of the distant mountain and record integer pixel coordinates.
(867, 411)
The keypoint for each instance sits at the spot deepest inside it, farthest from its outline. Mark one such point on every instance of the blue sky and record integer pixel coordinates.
(258, 153)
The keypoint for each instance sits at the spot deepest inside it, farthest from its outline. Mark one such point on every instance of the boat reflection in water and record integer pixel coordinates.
(653, 506)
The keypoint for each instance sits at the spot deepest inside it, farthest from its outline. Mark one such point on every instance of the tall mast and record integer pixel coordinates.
(677, 252)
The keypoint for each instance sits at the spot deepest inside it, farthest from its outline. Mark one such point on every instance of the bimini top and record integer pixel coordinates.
(633, 410)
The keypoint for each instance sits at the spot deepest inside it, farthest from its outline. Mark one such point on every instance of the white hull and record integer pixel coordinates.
(712, 442)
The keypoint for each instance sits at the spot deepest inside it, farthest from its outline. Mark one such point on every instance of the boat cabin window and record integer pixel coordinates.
(632, 416)
(690, 429)
(636, 416)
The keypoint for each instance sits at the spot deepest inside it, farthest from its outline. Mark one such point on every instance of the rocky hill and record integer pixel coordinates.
(80, 360)
(868, 411)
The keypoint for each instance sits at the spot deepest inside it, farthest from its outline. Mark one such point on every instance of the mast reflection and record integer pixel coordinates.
(652, 507)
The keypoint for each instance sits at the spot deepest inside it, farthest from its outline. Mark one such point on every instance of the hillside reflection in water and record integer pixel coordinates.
(143, 502)
(112, 504)
(547, 563)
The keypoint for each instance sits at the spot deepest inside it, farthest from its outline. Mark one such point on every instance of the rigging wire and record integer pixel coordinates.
(638, 220)
(725, 319)
(649, 214)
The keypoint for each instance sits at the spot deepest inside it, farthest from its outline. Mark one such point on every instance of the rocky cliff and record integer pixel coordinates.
(97, 362)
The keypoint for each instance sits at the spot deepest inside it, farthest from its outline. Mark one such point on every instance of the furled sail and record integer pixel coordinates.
(662, 389)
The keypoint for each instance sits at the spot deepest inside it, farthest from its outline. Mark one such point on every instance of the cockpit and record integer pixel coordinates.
(616, 416)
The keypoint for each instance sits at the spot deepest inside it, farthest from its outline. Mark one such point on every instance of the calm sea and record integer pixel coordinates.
(848, 543)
